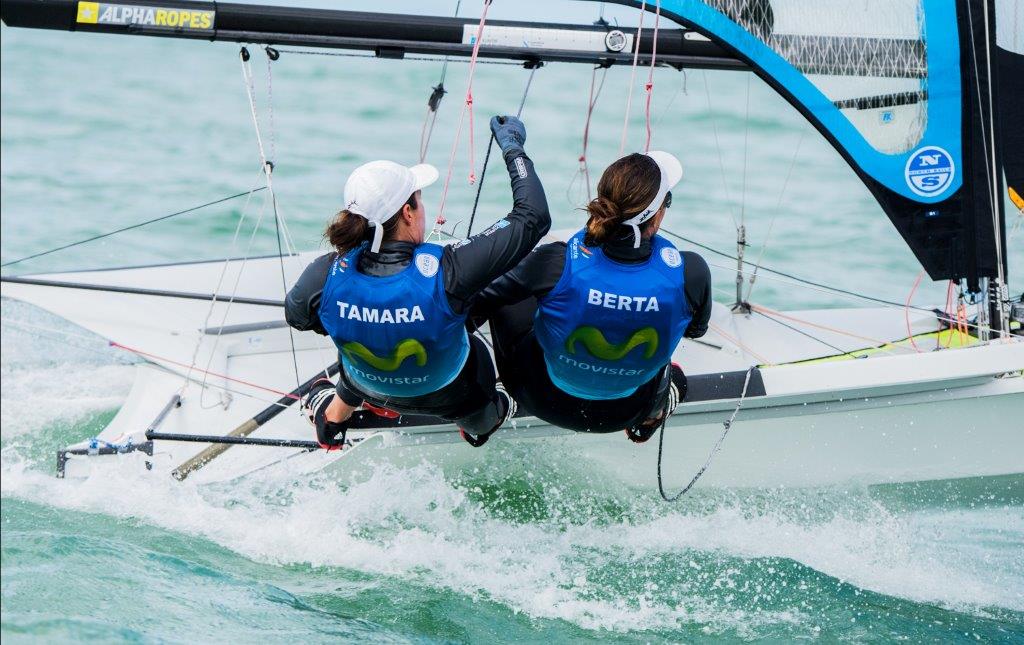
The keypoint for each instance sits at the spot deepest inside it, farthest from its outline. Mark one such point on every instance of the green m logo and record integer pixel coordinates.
(599, 347)
(403, 350)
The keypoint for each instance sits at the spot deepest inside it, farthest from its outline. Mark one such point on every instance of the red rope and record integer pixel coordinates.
(194, 368)
(591, 101)
(906, 311)
(649, 87)
(632, 78)
(466, 107)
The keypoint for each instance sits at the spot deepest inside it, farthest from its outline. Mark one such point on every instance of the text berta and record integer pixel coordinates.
(370, 315)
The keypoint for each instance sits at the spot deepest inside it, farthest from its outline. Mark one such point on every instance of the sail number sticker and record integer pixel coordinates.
(105, 13)
(929, 171)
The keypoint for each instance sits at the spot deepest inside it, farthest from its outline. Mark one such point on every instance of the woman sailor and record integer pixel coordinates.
(396, 306)
(584, 332)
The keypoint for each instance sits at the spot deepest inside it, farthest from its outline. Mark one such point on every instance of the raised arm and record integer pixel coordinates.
(471, 265)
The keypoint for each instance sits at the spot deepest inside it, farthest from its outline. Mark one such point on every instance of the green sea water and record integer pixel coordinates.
(99, 132)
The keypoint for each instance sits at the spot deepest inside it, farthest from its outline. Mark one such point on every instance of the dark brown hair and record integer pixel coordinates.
(626, 188)
(348, 230)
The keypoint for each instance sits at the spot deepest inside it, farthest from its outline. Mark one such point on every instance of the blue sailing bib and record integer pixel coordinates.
(607, 328)
(397, 335)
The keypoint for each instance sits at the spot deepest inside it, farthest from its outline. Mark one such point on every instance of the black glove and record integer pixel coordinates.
(509, 132)
(329, 434)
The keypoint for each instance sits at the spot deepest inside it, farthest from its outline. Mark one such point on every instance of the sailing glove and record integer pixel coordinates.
(329, 434)
(509, 132)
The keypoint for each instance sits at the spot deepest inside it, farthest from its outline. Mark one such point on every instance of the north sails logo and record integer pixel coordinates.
(929, 171)
(599, 347)
(410, 347)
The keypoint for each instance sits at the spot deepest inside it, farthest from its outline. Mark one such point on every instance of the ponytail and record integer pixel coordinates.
(605, 217)
(348, 230)
(626, 188)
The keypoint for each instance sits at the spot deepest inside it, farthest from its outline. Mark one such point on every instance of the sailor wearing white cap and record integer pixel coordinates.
(396, 306)
(584, 332)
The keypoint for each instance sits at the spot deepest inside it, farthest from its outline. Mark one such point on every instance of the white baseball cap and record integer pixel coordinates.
(376, 191)
(671, 174)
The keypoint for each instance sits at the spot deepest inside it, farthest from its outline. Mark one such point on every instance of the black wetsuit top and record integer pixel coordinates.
(510, 304)
(540, 271)
(468, 267)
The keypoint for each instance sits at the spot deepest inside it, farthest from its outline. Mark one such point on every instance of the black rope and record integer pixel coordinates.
(480, 186)
(726, 425)
(133, 226)
(901, 305)
(533, 66)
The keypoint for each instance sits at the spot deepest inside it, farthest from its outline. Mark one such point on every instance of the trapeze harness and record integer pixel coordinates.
(607, 328)
(397, 335)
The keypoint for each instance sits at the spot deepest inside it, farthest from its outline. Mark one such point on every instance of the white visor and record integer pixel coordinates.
(377, 190)
(671, 174)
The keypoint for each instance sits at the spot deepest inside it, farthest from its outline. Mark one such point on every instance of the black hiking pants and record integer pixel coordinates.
(524, 374)
(470, 401)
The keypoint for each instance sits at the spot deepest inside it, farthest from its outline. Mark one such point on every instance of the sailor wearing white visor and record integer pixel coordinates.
(396, 306)
(584, 332)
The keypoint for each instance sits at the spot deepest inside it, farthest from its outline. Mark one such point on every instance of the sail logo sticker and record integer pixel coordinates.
(929, 171)
(104, 13)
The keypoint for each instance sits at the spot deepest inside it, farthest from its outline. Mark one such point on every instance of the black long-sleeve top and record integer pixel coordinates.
(468, 266)
(540, 271)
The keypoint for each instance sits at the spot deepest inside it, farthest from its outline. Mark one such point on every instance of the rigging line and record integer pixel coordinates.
(632, 78)
(434, 103)
(718, 146)
(742, 180)
(268, 170)
(62, 336)
(727, 425)
(791, 276)
(487, 156)
(732, 269)
(680, 89)
(906, 310)
(649, 87)
(234, 292)
(988, 136)
(216, 290)
(803, 333)
(874, 341)
(735, 341)
(746, 156)
(134, 226)
(467, 106)
(583, 169)
(778, 209)
(223, 376)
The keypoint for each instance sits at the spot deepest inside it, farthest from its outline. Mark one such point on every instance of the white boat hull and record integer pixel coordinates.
(894, 417)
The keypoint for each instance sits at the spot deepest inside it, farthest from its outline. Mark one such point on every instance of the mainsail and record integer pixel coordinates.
(902, 89)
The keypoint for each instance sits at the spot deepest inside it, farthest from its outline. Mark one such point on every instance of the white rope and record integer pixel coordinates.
(632, 79)
(268, 168)
(775, 215)
(718, 147)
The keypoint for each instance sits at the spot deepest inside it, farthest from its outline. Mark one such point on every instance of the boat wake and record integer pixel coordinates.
(524, 532)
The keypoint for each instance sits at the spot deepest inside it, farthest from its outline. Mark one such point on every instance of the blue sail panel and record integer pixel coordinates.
(900, 88)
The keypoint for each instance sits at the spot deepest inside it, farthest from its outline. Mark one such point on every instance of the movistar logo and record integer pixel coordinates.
(599, 347)
(403, 350)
